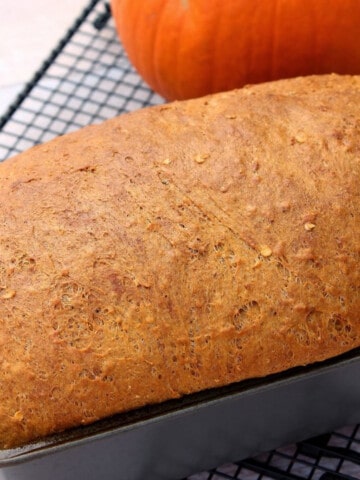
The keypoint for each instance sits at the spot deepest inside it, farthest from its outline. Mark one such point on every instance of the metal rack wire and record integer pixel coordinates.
(335, 456)
(87, 79)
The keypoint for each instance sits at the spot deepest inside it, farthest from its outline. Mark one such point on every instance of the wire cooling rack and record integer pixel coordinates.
(335, 456)
(87, 79)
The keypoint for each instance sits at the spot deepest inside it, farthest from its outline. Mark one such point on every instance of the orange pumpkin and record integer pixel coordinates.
(188, 48)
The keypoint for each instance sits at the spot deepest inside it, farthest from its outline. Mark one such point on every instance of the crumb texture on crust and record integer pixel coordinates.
(178, 248)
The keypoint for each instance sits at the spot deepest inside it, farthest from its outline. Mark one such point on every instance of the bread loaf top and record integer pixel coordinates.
(178, 248)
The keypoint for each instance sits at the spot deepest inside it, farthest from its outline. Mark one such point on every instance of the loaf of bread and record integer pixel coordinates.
(178, 248)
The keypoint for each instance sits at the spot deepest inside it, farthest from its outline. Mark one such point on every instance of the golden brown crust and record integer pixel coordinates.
(178, 248)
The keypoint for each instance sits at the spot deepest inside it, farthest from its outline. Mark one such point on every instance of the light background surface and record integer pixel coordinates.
(29, 31)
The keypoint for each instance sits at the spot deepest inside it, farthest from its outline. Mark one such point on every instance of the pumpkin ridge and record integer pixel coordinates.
(155, 69)
(214, 57)
(274, 38)
(178, 63)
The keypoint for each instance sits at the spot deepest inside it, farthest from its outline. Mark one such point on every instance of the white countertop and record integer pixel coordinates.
(29, 31)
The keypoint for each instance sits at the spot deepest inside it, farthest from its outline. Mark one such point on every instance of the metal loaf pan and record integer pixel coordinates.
(201, 431)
